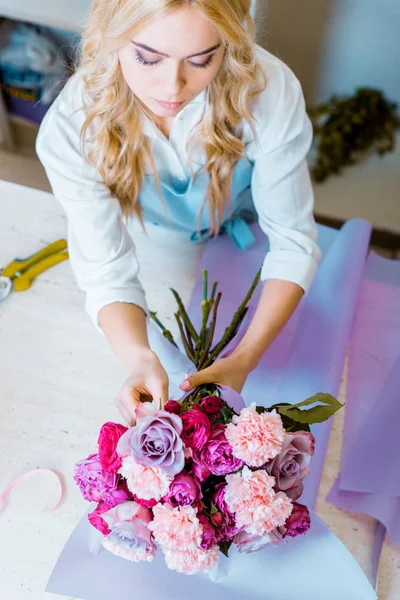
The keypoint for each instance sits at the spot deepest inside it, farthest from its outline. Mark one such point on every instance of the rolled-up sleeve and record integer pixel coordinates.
(282, 190)
(102, 252)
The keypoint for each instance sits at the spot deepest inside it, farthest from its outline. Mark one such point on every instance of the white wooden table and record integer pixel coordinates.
(59, 379)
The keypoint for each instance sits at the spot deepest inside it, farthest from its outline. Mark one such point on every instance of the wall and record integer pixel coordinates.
(335, 45)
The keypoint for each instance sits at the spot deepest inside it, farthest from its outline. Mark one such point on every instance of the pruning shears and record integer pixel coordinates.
(20, 273)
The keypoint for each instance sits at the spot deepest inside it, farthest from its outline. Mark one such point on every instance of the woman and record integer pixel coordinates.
(176, 118)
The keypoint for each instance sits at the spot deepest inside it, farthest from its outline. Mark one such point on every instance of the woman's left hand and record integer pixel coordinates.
(231, 371)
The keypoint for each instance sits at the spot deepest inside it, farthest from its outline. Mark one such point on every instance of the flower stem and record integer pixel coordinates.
(178, 316)
(232, 328)
(210, 333)
(185, 316)
(213, 290)
(205, 285)
(166, 333)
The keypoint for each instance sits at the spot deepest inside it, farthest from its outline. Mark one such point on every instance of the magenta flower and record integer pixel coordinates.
(212, 405)
(96, 519)
(107, 441)
(209, 537)
(196, 428)
(225, 518)
(298, 521)
(96, 485)
(173, 406)
(216, 454)
(184, 490)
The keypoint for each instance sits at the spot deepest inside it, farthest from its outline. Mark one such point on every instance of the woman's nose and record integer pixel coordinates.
(175, 82)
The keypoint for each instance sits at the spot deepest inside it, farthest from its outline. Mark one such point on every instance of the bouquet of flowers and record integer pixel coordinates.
(199, 475)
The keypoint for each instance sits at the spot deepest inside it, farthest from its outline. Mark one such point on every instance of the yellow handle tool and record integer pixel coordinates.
(23, 271)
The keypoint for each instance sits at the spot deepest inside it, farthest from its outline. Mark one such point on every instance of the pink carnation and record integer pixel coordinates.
(255, 438)
(192, 562)
(258, 509)
(145, 482)
(176, 528)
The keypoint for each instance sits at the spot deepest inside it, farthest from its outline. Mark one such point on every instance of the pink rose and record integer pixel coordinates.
(196, 428)
(209, 537)
(212, 405)
(293, 463)
(298, 521)
(173, 406)
(97, 521)
(108, 439)
(183, 490)
(130, 536)
(216, 454)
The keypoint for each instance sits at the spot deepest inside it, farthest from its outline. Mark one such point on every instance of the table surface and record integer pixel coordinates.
(59, 379)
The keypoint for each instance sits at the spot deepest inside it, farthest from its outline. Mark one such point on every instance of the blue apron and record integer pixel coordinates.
(184, 199)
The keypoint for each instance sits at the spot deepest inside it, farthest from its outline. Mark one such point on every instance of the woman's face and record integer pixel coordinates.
(171, 61)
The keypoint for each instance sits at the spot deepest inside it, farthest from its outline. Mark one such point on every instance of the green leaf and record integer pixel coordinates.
(224, 547)
(327, 406)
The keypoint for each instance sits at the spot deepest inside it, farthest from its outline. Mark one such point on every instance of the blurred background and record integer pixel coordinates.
(346, 54)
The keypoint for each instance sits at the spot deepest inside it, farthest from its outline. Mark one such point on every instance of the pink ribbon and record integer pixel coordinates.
(27, 475)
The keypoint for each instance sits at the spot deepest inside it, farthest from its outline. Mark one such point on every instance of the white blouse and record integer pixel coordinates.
(101, 242)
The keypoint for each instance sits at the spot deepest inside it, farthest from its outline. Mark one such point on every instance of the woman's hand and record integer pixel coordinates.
(148, 381)
(231, 371)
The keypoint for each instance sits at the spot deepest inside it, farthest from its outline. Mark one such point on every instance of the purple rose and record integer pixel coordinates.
(196, 428)
(298, 522)
(200, 472)
(183, 490)
(173, 407)
(216, 454)
(96, 485)
(247, 542)
(155, 442)
(208, 538)
(293, 463)
(227, 525)
(212, 405)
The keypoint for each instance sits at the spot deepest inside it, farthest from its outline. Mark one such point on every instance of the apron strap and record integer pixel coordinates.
(237, 229)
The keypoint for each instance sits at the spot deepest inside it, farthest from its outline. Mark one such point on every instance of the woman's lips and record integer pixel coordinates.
(170, 105)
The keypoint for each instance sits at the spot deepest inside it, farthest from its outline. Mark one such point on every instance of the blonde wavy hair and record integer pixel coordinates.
(118, 148)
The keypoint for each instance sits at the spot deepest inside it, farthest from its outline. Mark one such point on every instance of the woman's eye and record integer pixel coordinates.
(145, 62)
(202, 65)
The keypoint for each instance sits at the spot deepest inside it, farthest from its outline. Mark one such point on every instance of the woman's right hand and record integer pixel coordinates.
(148, 381)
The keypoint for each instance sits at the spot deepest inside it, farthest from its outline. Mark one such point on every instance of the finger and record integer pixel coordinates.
(123, 411)
(129, 401)
(197, 379)
(159, 393)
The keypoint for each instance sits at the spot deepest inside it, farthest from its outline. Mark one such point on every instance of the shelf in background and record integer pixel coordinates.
(63, 14)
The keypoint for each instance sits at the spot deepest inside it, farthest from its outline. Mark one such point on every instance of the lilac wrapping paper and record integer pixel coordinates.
(368, 481)
(307, 357)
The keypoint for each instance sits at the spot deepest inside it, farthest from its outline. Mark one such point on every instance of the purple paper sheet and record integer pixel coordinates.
(307, 357)
(367, 482)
